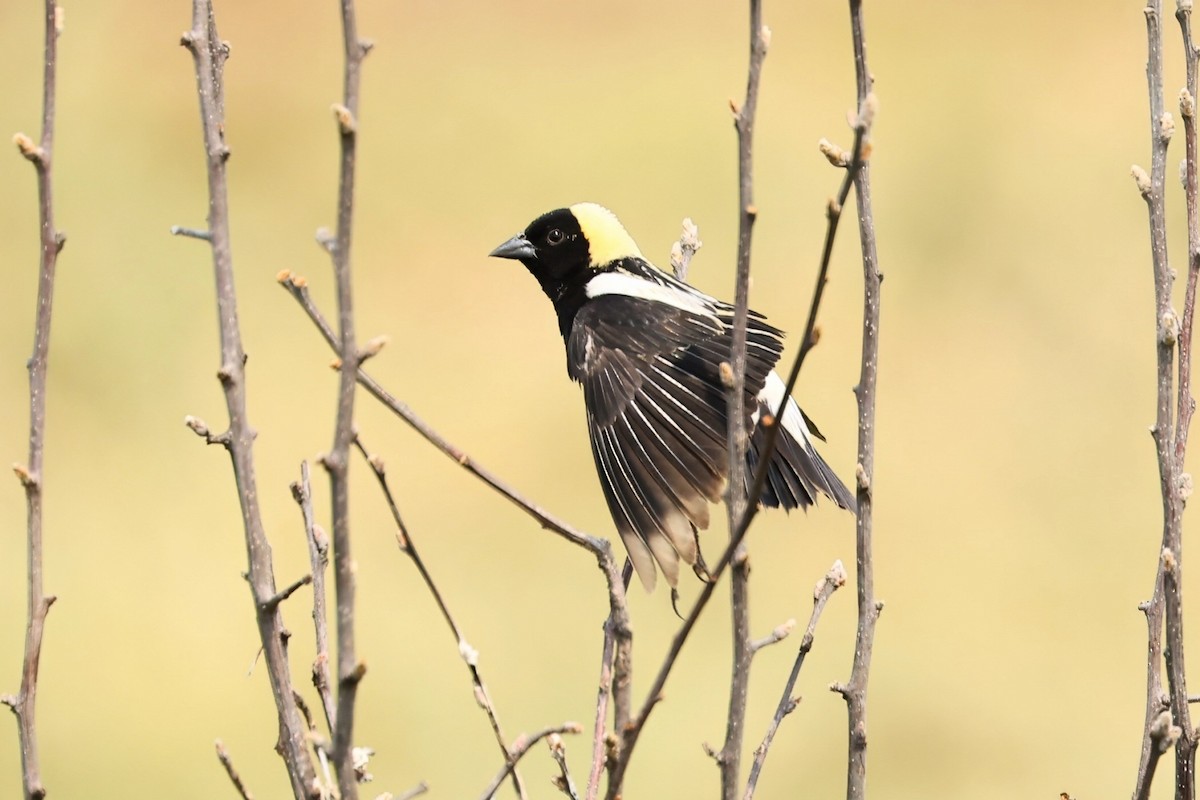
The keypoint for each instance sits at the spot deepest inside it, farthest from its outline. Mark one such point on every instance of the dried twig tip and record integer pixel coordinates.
(284, 276)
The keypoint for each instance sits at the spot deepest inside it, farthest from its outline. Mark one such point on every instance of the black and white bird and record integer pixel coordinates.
(647, 349)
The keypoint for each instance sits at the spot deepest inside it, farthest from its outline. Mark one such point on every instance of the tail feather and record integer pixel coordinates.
(797, 473)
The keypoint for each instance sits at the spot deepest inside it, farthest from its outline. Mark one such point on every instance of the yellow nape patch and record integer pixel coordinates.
(607, 238)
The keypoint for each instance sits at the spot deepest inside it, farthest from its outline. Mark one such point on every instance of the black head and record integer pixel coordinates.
(553, 247)
(565, 248)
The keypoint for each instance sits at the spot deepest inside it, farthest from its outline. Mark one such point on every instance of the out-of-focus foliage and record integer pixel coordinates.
(1017, 507)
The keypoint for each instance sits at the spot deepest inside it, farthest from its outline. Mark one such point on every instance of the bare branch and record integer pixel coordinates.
(834, 579)
(469, 654)
(284, 594)
(191, 233)
(231, 771)
(337, 462)
(1170, 435)
(318, 558)
(684, 249)
(777, 635)
(730, 757)
(38, 604)
(418, 790)
(855, 692)
(297, 286)
(563, 782)
(210, 53)
(522, 746)
(615, 660)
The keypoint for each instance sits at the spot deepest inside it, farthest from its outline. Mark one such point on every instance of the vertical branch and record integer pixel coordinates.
(855, 691)
(210, 53)
(1169, 441)
(1185, 747)
(349, 670)
(30, 473)
(730, 757)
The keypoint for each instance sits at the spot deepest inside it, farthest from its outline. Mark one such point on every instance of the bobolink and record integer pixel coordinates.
(647, 349)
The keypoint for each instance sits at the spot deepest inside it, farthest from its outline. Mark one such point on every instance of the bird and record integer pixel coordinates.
(648, 350)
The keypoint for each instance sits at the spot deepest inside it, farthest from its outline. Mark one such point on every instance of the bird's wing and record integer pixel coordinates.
(657, 414)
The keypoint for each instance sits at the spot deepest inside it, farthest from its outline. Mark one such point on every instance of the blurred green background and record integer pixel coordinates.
(1017, 500)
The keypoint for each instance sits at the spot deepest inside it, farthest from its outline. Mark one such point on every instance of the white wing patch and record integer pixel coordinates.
(633, 286)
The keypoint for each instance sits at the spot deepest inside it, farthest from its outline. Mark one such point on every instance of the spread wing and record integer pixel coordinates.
(657, 414)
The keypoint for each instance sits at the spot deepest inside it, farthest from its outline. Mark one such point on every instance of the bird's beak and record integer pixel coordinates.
(517, 247)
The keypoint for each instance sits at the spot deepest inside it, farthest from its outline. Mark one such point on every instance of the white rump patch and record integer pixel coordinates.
(793, 420)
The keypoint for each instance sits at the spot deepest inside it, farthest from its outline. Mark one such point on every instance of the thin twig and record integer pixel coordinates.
(834, 579)
(318, 559)
(231, 771)
(685, 249)
(522, 746)
(210, 53)
(30, 474)
(855, 691)
(601, 742)
(337, 462)
(297, 287)
(418, 790)
(563, 781)
(730, 757)
(469, 654)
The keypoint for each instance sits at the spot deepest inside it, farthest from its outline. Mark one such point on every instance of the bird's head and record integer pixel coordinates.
(570, 243)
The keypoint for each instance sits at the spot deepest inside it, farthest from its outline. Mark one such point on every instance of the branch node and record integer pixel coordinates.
(347, 125)
(1142, 179)
(326, 239)
(355, 676)
(273, 602)
(191, 233)
(1168, 329)
(372, 347)
(360, 757)
(726, 372)
(861, 478)
(1166, 127)
(29, 150)
(27, 478)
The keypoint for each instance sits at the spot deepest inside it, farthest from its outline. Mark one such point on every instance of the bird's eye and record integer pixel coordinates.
(555, 236)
